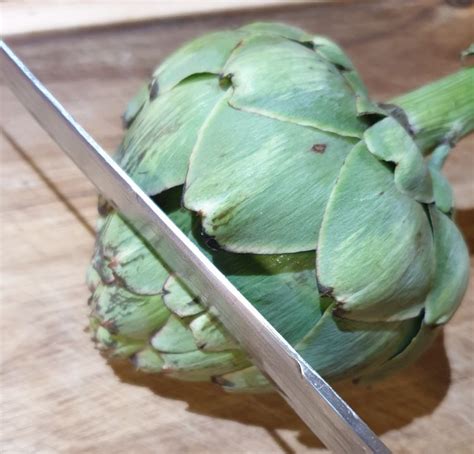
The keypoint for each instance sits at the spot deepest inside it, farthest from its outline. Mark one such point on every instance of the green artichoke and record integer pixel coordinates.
(319, 205)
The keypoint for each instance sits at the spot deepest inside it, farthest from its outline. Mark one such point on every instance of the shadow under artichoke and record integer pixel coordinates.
(386, 405)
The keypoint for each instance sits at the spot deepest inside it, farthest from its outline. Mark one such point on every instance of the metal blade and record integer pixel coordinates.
(328, 416)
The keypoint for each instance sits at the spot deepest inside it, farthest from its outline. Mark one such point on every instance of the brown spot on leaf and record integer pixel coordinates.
(319, 148)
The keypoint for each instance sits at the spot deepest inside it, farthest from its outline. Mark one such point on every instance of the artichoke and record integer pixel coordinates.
(328, 211)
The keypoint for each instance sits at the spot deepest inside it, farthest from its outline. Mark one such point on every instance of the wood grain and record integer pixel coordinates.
(58, 395)
(27, 16)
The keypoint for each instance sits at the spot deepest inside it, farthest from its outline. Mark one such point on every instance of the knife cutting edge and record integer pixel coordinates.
(318, 405)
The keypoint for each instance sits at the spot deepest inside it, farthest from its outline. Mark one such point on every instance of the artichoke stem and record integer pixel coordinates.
(440, 112)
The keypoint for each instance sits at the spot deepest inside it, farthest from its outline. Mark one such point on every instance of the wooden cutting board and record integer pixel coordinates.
(58, 395)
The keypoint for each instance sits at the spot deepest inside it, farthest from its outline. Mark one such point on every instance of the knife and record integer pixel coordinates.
(318, 405)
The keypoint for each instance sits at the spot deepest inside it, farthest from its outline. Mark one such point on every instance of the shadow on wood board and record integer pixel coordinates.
(378, 405)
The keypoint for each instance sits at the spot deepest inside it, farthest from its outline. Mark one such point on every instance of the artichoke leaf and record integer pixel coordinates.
(306, 90)
(259, 184)
(170, 203)
(249, 380)
(127, 314)
(452, 270)
(443, 193)
(338, 348)
(179, 300)
(173, 337)
(332, 52)
(210, 335)
(120, 347)
(156, 149)
(201, 366)
(136, 105)
(148, 360)
(389, 141)
(260, 144)
(375, 253)
(276, 28)
(127, 258)
(419, 344)
(207, 54)
(364, 105)
(281, 287)
(92, 278)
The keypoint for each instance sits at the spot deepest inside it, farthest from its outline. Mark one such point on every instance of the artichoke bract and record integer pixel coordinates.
(321, 207)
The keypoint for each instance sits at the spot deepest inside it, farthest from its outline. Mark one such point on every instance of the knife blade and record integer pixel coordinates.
(318, 405)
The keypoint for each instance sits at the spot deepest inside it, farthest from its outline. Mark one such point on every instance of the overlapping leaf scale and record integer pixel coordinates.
(277, 28)
(419, 343)
(209, 53)
(452, 270)
(201, 366)
(174, 337)
(135, 105)
(210, 335)
(179, 300)
(206, 54)
(380, 329)
(376, 252)
(339, 348)
(330, 51)
(249, 380)
(124, 258)
(127, 314)
(157, 336)
(261, 185)
(292, 83)
(390, 142)
(442, 190)
(281, 287)
(166, 115)
(115, 345)
(448, 288)
(156, 149)
(277, 285)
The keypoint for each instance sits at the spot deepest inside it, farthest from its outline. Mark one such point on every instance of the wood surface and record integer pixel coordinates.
(26, 16)
(58, 395)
